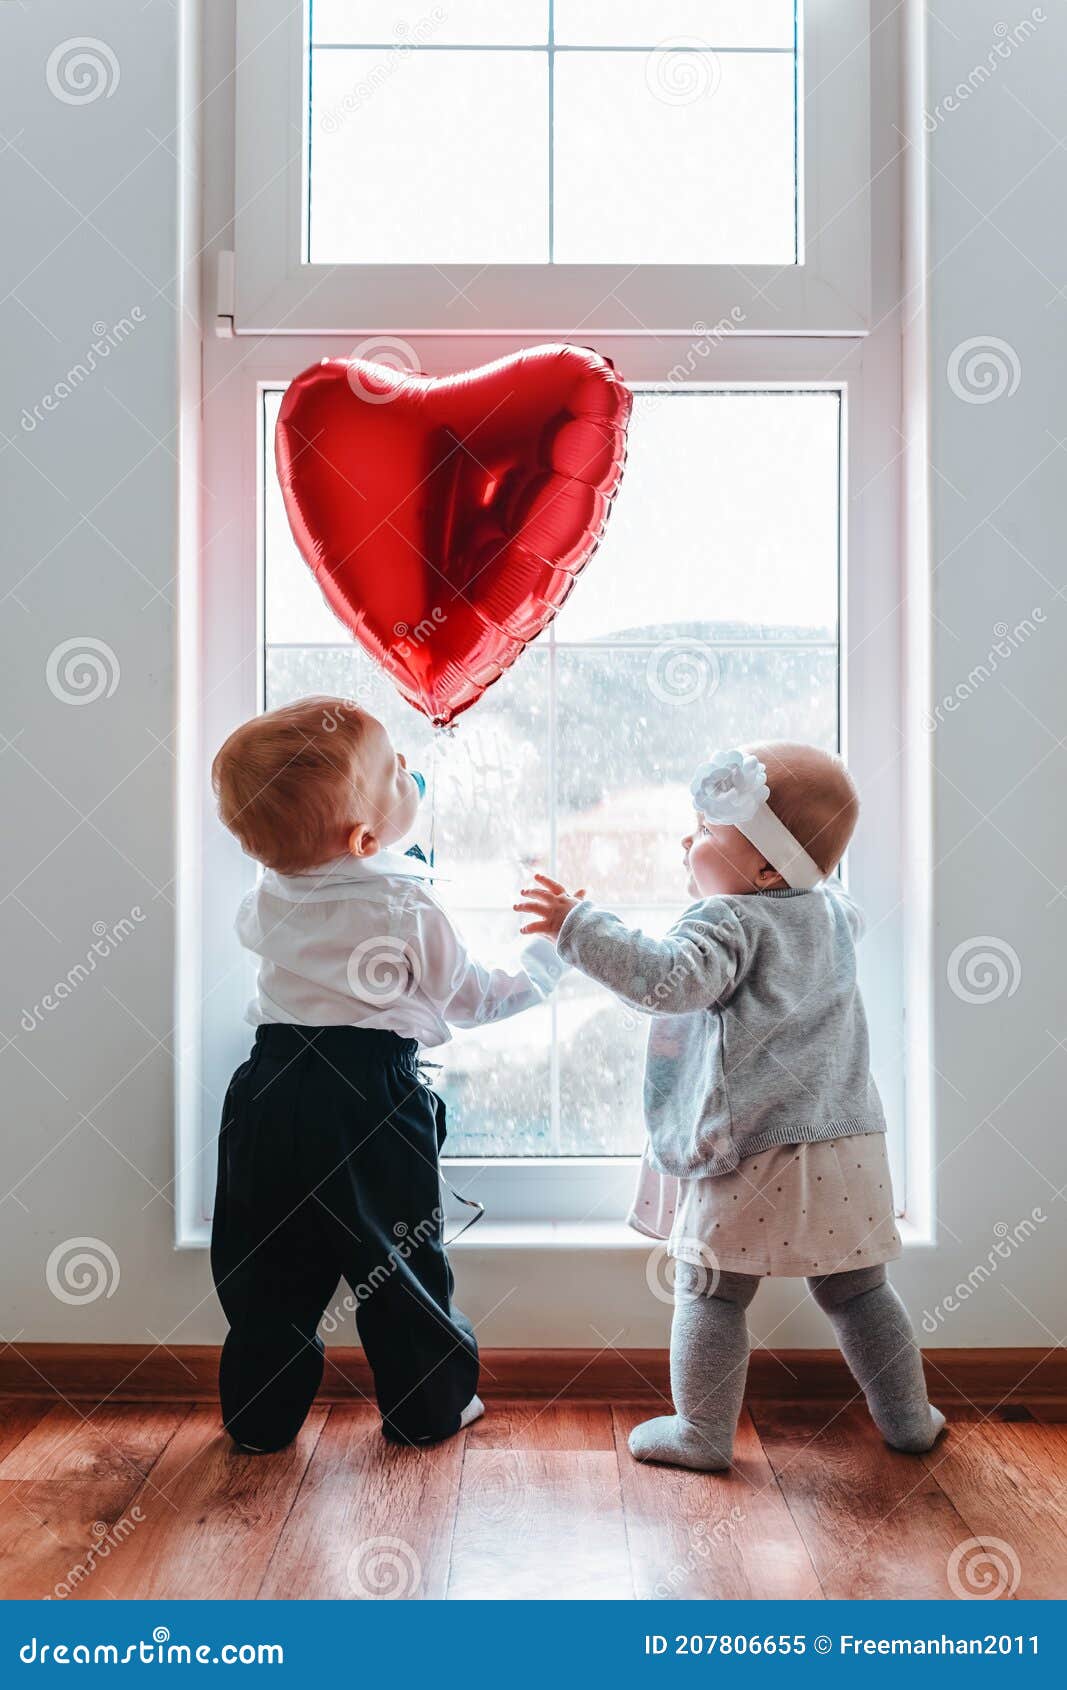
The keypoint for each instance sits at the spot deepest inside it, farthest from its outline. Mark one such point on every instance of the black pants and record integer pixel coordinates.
(328, 1169)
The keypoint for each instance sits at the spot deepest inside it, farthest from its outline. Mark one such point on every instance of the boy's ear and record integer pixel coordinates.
(362, 842)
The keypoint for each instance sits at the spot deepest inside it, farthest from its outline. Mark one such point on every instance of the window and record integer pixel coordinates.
(591, 134)
(623, 165)
(750, 581)
(708, 615)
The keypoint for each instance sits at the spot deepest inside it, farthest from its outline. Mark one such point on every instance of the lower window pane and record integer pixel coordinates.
(601, 1061)
(634, 724)
(496, 1081)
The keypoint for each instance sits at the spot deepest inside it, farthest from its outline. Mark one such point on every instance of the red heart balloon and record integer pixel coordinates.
(446, 520)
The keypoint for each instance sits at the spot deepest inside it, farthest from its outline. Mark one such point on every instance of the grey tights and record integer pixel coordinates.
(709, 1361)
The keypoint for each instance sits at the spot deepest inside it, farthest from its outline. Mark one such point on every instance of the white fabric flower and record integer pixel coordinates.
(730, 788)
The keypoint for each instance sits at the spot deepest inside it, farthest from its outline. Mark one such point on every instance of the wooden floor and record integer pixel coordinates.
(538, 1499)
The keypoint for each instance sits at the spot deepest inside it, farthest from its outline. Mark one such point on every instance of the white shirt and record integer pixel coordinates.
(363, 942)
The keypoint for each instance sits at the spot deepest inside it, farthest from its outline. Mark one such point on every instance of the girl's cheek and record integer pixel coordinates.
(705, 863)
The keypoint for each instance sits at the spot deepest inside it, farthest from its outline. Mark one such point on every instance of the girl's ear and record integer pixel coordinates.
(362, 842)
(769, 878)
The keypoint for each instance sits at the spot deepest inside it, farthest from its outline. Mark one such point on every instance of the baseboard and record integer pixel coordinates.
(146, 1373)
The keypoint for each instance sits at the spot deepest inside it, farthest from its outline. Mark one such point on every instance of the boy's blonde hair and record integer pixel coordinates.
(284, 782)
(813, 795)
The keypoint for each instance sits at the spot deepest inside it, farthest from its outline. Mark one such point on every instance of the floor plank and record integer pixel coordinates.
(536, 1523)
(58, 1539)
(119, 1441)
(875, 1522)
(543, 1425)
(722, 1536)
(371, 1521)
(1007, 1480)
(211, 1515)
(18, 1415)
(67, 1492)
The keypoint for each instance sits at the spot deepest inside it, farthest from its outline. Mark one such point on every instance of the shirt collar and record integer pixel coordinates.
(349, 870)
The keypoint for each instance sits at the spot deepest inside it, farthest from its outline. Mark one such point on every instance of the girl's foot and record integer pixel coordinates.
(473, 1411)
(677, 1443)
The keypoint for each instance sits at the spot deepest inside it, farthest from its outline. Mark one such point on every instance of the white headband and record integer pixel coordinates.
(732, 791)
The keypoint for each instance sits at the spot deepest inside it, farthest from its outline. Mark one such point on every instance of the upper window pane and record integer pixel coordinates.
(428, 157)
(700, 172)
(446, 23)
(588, 133)
(648, 23)
(727, 517)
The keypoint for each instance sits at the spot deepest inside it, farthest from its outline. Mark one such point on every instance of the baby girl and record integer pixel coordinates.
(766, 1152)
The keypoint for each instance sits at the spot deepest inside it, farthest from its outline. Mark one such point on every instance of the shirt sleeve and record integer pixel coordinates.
(697, 965)
(463, 990)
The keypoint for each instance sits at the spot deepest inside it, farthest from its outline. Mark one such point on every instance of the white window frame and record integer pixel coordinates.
(277, 293)
(222, 630)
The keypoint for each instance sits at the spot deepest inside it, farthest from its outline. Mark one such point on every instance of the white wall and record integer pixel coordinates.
(91, 198)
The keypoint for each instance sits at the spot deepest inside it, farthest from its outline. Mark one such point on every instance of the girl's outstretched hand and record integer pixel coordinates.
(549, 903)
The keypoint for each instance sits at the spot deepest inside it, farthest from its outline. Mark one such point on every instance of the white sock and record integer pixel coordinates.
(473, 1411)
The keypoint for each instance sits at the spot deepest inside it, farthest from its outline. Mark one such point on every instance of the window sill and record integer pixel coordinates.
(560, 1235)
